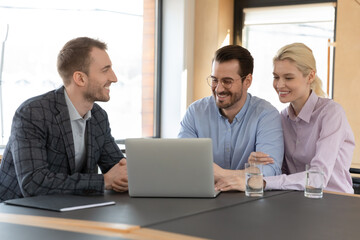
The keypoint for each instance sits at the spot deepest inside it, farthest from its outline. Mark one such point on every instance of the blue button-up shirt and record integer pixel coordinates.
(257, 127)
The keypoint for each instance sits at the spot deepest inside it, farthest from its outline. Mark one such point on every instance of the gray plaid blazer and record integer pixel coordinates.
(39, 158)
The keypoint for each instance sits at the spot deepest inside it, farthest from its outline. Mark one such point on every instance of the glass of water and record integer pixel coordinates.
(254, 180)
(314, 182)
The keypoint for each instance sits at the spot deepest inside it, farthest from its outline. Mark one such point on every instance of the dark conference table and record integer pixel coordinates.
(232, 215)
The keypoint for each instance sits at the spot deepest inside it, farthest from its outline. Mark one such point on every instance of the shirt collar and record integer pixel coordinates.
(307, 109)
(74, 114)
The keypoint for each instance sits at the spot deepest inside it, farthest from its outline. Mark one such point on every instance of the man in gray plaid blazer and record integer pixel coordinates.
(59, 139)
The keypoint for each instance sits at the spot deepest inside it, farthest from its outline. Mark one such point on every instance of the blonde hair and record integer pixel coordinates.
(302, 56)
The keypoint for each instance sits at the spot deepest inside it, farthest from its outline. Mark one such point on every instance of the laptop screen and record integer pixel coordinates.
(176, 167)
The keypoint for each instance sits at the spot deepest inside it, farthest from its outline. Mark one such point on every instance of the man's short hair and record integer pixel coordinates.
(230, 52)
(75, 56)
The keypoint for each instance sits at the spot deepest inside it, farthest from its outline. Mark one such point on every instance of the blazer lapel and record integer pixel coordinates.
(91, 165)
(63, 120)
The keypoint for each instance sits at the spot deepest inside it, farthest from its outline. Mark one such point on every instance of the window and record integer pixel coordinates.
(266, 29)
(33, 32)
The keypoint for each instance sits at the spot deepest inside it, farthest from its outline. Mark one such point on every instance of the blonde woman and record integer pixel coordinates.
(316, 130)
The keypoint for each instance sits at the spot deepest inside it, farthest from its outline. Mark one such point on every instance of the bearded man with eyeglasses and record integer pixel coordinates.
(238, 123)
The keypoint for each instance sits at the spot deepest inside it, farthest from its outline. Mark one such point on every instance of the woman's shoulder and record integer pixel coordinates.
(328, 106)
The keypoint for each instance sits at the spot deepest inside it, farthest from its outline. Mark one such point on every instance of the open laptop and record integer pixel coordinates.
(170, 167)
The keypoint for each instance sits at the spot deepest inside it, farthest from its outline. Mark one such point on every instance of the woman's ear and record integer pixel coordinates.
(311, 77)
(79, 78)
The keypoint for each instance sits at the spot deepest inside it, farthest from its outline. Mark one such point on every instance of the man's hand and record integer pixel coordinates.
(260, 158)
(116, 178)
(227, 180)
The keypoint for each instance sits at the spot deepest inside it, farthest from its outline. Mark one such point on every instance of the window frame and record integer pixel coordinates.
(239, 6)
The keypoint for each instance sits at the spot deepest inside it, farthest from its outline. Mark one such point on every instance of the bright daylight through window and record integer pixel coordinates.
(33, 32)
(268, 29)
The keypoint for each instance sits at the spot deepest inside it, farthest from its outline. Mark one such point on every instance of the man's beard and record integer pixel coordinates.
(93, 96)
(234, 98)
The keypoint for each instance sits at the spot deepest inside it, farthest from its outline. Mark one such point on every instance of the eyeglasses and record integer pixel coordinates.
(225, 82)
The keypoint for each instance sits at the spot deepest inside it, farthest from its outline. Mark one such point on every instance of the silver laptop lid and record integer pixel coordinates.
(170, 167)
